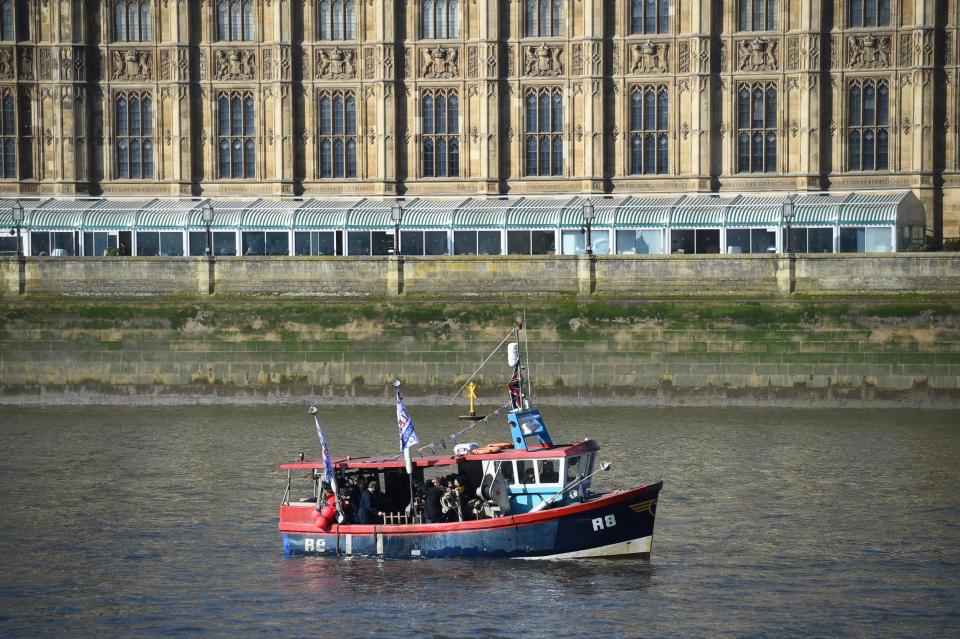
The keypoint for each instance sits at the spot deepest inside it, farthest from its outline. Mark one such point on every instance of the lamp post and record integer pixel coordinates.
(17, 211)
(207, 213)
(588, 214)
(396, 214)
(788, 215)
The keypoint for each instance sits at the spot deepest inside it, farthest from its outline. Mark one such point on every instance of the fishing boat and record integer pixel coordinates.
(526, 498)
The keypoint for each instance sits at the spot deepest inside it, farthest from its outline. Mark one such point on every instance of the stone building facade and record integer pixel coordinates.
(481, 97)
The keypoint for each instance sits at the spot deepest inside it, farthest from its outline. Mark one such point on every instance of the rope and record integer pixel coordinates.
(492, 353)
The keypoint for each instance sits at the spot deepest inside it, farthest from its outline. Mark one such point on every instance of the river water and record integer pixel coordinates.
(780, 523)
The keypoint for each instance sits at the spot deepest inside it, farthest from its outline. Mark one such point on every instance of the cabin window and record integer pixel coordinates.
(547, 469)
(572, 465)
(525, 471)
(506, 469)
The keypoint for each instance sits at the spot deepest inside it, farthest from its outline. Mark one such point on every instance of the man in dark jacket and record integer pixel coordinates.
(369, 510)
(432, 510)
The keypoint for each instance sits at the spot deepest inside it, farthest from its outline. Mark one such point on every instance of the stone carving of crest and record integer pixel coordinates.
(132, 65)
(336, 64)
(648, 58)
(868, 52)
(235, 64)
(757, 55)
(440, 62)
(543, 61)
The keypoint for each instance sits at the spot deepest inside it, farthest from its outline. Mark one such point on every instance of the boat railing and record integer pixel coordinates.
(402, 518)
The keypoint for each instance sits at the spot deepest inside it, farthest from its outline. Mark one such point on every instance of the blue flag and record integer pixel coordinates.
(324, 454)
(408, 436)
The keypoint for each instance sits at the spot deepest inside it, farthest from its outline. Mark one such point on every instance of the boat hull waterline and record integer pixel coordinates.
(618, 524)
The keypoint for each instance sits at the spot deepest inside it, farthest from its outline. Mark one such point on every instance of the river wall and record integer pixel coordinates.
(789, 350)
(466, 277)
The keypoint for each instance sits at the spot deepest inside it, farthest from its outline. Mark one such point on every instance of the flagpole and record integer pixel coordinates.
(325, 452)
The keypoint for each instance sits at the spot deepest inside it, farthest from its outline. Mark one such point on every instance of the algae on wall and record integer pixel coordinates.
(667, 352)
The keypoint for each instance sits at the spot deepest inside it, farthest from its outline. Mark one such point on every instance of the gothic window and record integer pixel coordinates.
(336, 20)
(543, 139)
(869, 13)
(648, 130)
(757, 128)
(543, 18)
(133, 136)
(440, 146)
(131, 20)
(868, 115)
(338, 134)
(234, 20)
(8, 135)
(6, 20)
(757, 15)
(26, 134)
(440, 19)
(649, 16)
(235, 134)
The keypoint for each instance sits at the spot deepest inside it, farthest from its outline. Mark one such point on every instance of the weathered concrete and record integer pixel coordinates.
(713, 351)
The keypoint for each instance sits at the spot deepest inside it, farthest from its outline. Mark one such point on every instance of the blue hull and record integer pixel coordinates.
(616, 525)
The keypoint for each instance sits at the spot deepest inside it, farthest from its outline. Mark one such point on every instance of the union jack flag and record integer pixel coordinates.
(516, 396)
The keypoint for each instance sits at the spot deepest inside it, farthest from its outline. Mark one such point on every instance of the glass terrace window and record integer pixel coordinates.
(338, 130)
(757, 15)
(131, 21)
(6, 20)
(868, 113)
(133, 145)
(757, 128)
(649, 16)
(441, 140)
(544, 132)
(336, 20)
(440, 19)
(869, 13)
(543, 18)
(236, 129)
(648, 130)
(234, 20)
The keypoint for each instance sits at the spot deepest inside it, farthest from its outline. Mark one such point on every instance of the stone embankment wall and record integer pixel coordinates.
(791, 351)
(459, 277)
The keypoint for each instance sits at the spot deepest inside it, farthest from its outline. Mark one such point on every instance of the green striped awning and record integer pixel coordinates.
(429, 214)
(158, 219)
(641, 212)
(226, 216)
(870, 209)
(700, 211)
(482, 214)
(109, 220)
(534, 214)
(604, 213)
(370, 216)
(320, 215)
(267, 219)
(54, 220)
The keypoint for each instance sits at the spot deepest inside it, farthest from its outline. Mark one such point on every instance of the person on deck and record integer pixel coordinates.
(432, 510)
(369, 510)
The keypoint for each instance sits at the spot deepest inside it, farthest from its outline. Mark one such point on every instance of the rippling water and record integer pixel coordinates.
(143, 522)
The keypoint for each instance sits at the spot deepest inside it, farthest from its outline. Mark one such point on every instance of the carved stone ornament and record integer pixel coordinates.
(648, 58)
(757, 55)
(26, 64)
(235, 64)
(543, 61)
(132, 65)
(6, 64)
(440, 62)
(336, 64)
(868, 52)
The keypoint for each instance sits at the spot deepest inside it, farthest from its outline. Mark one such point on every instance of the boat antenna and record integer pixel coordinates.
(526, 348)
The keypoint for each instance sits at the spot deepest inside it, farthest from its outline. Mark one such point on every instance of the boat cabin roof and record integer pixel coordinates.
(536, 452)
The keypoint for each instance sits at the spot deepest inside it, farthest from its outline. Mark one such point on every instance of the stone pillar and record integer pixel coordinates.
(697, 99)
(951, 128)
(802, 64)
